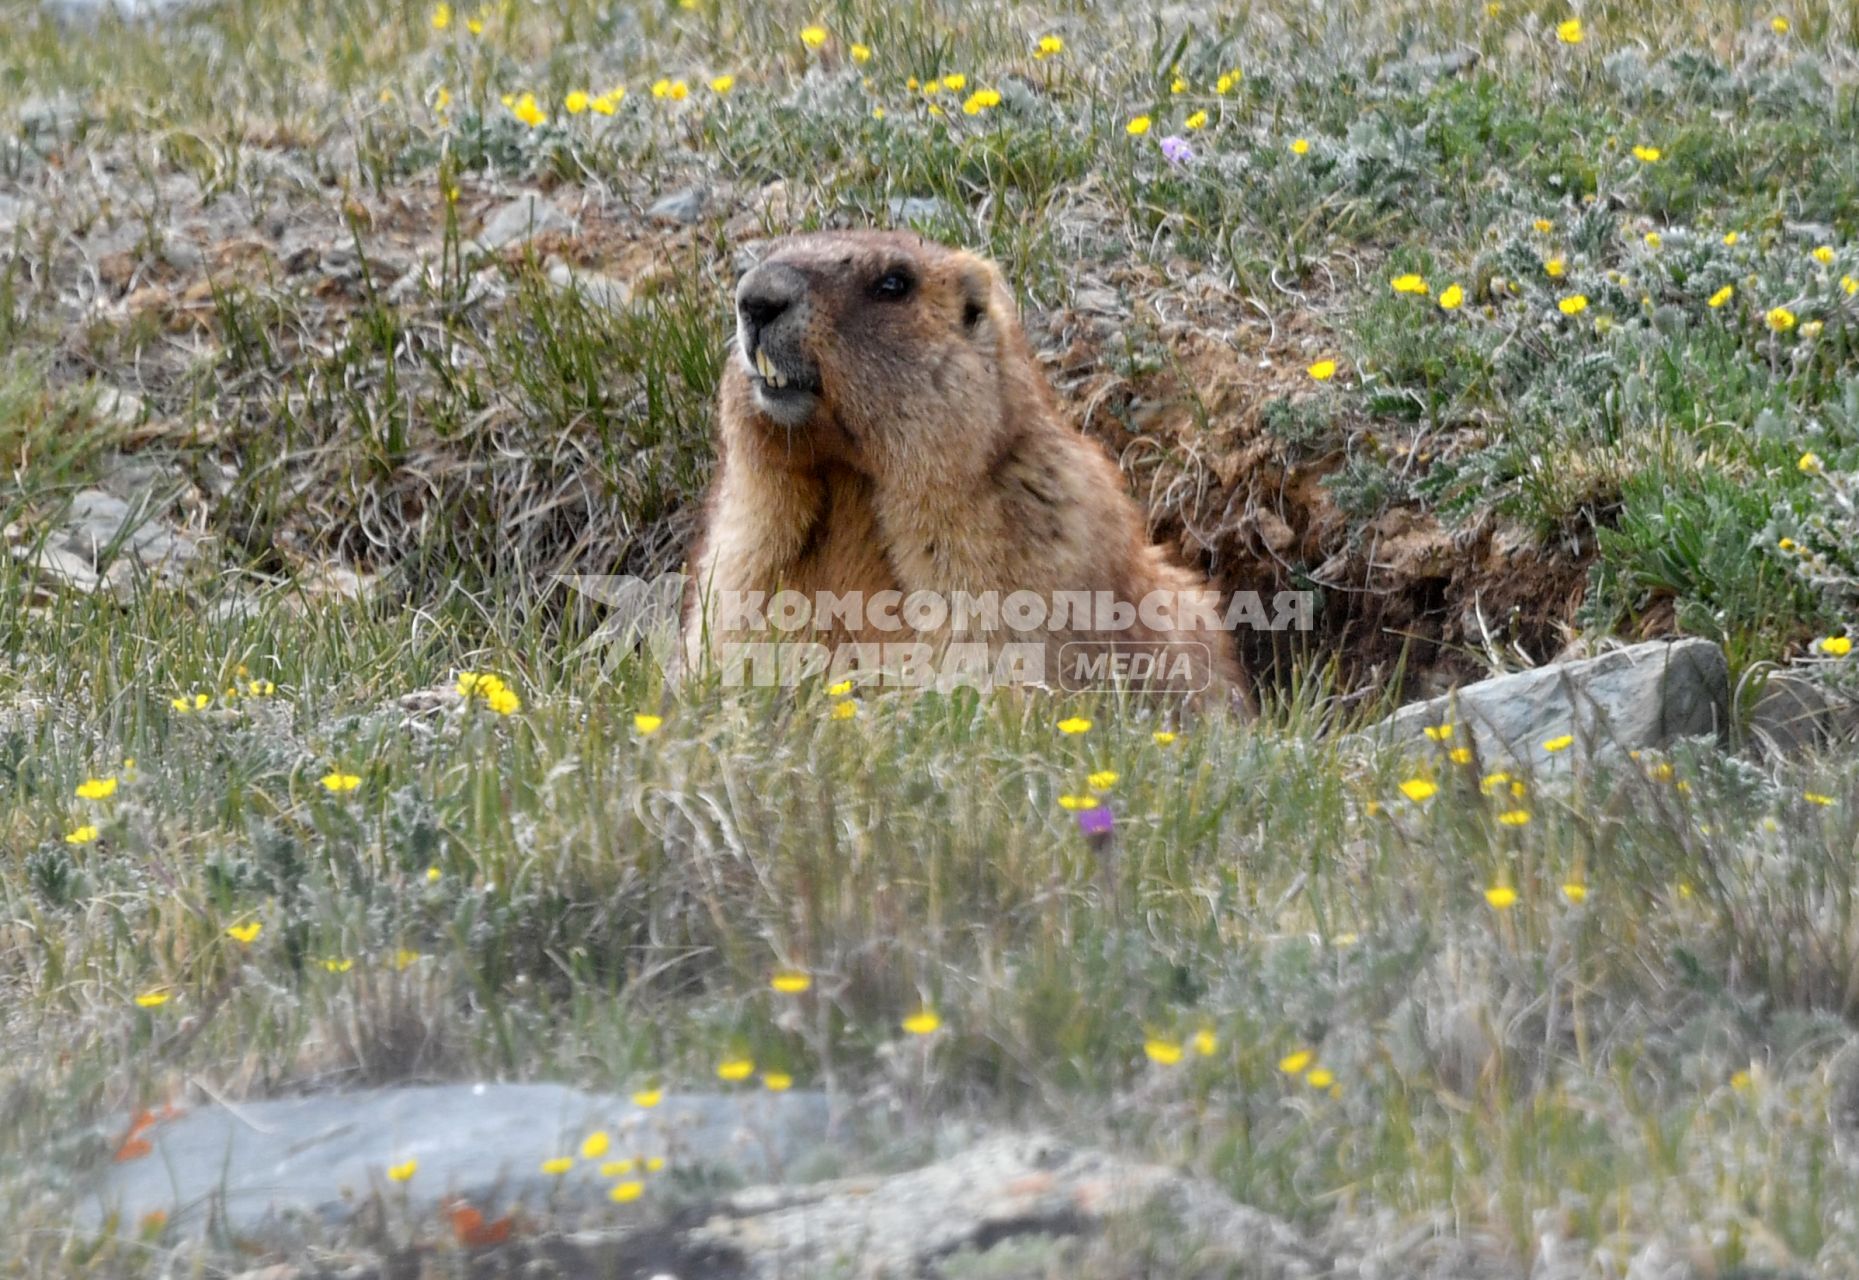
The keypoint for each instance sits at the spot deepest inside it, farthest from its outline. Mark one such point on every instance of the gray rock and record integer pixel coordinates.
(1006, 1206)
(1642, 696)
(599, 290)
(75, 11)
(261, 1166)
(98, 521)
(1794, 714)
(680, 208)
(50, 118)
(925, 1222)
(522, 220)
(141, 478)
(12, 213)
(915, 208)
(119, 408)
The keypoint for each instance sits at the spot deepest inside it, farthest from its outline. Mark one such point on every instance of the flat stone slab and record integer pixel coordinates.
(1006, 1206)
(1626, 700)
(258, 1166)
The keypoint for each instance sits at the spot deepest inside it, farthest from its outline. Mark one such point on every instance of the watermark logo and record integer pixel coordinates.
(642, 614)
(926, 639)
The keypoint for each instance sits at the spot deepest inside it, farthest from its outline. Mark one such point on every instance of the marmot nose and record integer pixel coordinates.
(766, 292)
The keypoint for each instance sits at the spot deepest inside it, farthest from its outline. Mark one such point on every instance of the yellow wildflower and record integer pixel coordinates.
(1838, 646)
(1647, 155)
(1815, 797)
(1077, 802)
(922, 1023)
(646, 1099)
(735, 1068)
(1460, 755)
(1569, 31)
(1722, 296)
(1163, 737)
(96, 789)
(529, 112)
(151, 999)
(1162, 1052)
(647, 725)
(81, 835)
(340, 782)
(1409, 283)
(1102, 780)
(790, 982)
(1300, 146)
(1138, 126)
(1573, 305)
(813, 36)
(595, 1145)
(1515, 817)
(1196, 121)
(955, 83)
(845, 710)
(1205, 1042)
(625, 1192)
(1293, 1064)
(441, 17)
(1049, 47)
(1323, 370)
(1072, 725)
(722, 84)
(1779, 25)
(1575, 891)
(777, 1081)
(1319, 1078)
(861, 53)
(1810, 464)
(1561, 743)
(246, 933)
(1543, 226)
(618, 1168)
(1823, 254)
(1780, 319)
(1451, 298)
(1418, 789)
(576, 102)
(1501, 897)
(556, 1166)
(403, 1171)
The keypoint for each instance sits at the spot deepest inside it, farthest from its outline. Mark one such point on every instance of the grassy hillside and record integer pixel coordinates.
(245, 848)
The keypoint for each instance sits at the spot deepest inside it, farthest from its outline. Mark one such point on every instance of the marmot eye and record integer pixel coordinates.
(892, 286)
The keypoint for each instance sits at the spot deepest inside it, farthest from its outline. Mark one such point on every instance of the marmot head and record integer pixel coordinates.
(863, 336)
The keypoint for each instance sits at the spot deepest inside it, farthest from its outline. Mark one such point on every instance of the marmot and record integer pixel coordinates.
(882, 427)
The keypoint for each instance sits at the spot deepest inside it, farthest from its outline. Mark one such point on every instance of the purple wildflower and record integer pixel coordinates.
(1176, 150)
(1097, 821)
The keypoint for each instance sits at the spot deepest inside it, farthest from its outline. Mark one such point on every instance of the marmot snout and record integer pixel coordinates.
(882, 427)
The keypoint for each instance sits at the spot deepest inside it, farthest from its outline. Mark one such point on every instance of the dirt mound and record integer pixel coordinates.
(1216, 435)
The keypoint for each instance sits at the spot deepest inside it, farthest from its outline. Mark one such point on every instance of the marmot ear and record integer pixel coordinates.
(978, 279)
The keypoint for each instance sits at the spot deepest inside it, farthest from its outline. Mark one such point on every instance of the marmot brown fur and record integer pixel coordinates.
(883, 427)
